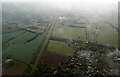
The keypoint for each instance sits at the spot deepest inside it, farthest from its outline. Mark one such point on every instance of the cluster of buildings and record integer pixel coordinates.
(88, 60)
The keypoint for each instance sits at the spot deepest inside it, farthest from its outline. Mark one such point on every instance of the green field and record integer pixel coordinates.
(15, 68)
(67, 32)
(60, 48)
(7, 36)
(22, 38)
(41, 29)
(24, 52)
(108, 36)
(23, 26)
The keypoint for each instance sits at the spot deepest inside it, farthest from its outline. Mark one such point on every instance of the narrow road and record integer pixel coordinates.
(43, 46)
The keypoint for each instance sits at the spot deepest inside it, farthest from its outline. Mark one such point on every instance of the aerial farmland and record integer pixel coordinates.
(46, 40)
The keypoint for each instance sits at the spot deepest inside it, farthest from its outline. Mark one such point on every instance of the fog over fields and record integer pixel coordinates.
(63, 38)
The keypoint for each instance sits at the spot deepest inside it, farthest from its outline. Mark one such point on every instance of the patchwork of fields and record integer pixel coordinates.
(35, 27)
(7, 36)
(23, 26)
(15, 46)
(102, 34)
(21, 44)
(43, 37)
(24, 52)
(22, 38)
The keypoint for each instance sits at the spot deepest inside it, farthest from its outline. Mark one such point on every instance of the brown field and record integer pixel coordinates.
(53, 58)
(9, 28)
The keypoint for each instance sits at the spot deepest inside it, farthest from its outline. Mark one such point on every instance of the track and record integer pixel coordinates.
(43, 46)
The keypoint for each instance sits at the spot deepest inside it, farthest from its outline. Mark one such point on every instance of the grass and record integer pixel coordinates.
(41, 29)
(7, 36)
(24, 26)
(67, 32)
(15, 68)
(22, 38)
(108, 36)
(60, 48)
(24, 52)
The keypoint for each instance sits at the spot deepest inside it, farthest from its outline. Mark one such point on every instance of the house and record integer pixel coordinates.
(8, 60)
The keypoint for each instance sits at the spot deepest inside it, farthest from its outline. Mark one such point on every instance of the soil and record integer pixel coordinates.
(53, 58)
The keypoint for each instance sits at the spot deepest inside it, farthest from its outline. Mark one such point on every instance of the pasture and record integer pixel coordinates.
(7, 36)
(71, 33)
(24, 52)
(105, 34)
(23, 26)
(22, 38)
(60, 48)
(14, 68)
(108, 36)
(39, 29)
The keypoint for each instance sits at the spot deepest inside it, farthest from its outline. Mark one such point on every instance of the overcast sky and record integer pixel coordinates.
(65, 1)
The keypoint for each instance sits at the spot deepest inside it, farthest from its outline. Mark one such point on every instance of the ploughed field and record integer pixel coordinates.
(52, 58)
(69, 37)
(69, 30)
(72, 36)
(57, 52)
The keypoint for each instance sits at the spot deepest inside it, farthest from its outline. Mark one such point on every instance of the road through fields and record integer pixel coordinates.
(43, 46)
